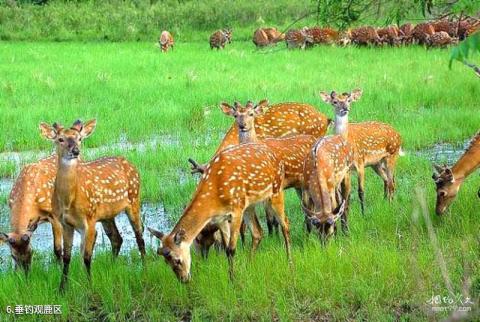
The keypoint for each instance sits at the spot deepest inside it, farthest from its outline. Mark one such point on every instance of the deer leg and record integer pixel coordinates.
(361, 186)
(254, 226)
(232, 244)
(133, 212)
(346, 189)
(307, 203)
(90, 236)
(57, 232)
(113, 235)
(67, 254)
(390, 170)
(243, 230)
(272, 223)
(277, 204)
(380, 170)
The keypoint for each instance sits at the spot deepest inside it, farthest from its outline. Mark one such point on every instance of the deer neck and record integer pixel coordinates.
(249, 136)
(468, 163)
(66, 180)
(341, 125)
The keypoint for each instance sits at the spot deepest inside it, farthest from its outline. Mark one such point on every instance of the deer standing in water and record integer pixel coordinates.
(235, 180)
(30, 203)
(88, 192)
(448, 180)
(374, 144)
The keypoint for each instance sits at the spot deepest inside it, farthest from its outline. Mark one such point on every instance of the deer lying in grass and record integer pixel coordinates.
(267, 36)
(374, 144)
(87, 192)
(326, 167)
(449, 180)
(30, 203)
(235, 180)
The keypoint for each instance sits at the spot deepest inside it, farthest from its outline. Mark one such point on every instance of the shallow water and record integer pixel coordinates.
(447, 153)
(153, 215)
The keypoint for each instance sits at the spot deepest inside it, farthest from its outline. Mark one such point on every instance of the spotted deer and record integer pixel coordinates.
(440, 39)
(274, 36)
(267, 36)
(88, 192)
(220, 38)
(166, 41)
(448, 180)
(374, 144)
(406, 33)
(323, 35)
(390, 35)
(282, 119)
(364, 36)
(326, 169)
(30, 203)
(298, 39)
(421, 31)
(235, 180)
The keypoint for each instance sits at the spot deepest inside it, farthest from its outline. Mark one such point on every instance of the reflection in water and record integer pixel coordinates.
(153, 215)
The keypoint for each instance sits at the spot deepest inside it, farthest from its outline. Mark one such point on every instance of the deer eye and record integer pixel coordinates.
(251, 114)
(61, 140)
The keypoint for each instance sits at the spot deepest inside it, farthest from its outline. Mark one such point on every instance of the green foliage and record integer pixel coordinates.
(466, 48)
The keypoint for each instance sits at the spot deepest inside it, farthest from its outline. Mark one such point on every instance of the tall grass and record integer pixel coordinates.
(383, 271)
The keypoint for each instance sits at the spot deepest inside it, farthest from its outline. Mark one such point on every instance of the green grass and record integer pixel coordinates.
(385, 269)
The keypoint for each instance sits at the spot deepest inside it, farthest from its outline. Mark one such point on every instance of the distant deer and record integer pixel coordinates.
(421, 31)
(235, 180)
(406, 33)
(326, 168)
(390, 35)
(267, 36)
(440, 39)
(87, 192)
(220, 38)
(448, 180)
(298, 39)
(323, 35)
(374, 144)
(30, 203)
(166, 41)
(364, 36)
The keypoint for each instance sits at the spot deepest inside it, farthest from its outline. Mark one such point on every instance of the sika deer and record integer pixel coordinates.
(166, 41)
(298, 39)
(326, 167)
(449, 180)
(374, 144)
(440, 39)
(30, 203)
(219, 38)
(422, 31)
(87, 192)
(364, 36)
(235, 180)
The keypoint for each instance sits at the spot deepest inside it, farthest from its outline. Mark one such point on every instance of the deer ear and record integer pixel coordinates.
(437, 168)
(156, 233)
(356, 94)
(88, 128)
(325, 97)
(48, 131)
(449, 175)
(179, 236)
(227, 109)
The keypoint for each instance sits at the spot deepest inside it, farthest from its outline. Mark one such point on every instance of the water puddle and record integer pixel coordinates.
(447, 153)
(153, 215)
(5, 186)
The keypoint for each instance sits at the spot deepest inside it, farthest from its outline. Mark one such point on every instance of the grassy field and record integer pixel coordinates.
(385, 270)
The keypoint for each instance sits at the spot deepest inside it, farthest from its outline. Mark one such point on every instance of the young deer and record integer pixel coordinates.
(374, 144)
(30, 203)
(326, 167)
(449, 180)
(87, 192)
(166, 41)
(235, 180)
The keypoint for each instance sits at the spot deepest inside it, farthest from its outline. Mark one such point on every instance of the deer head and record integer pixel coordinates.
(244, 115)
(341, 102)
(68, 141)
(176, 252)
(20, 247)
(325, 220)
(447, 187)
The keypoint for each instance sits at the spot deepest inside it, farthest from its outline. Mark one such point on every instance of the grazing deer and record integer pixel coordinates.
(235, 180)
(326, 167)
(421, 31)
(87, 192)
(166, 41)
(440, 39)
(374, 144)
(390, 35)
(298, 39)
(406, 33)
(365, 36)
(323, 35)
(449, 180)
(267, 36)
(219, 38)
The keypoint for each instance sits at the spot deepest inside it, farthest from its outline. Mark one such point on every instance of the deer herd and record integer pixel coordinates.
(268, 149)
(438, 33)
